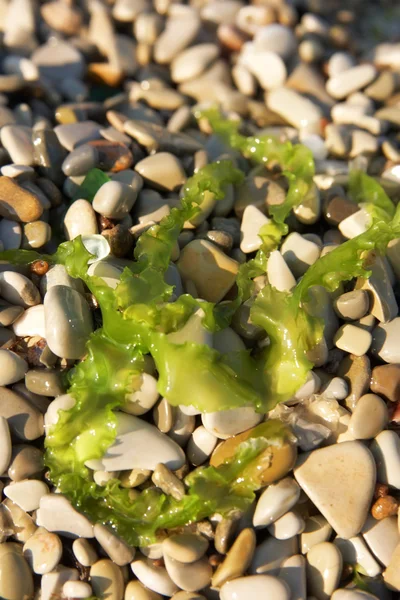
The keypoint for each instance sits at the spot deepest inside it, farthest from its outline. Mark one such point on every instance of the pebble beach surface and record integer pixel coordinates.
(101, 132)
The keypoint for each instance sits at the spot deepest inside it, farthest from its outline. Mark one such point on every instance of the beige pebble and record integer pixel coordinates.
(252, 221)
(137, 591)
(369, 417)
(355, 551)
(324, 568)
(163, 170)
(12, 367)
(386, 450)
(192, 62)
(107, 580)
(24, 419)
(155, 578)
(385, 341)
(237, 560)
(43, 551)
(26, 494)
(77, 589)
(58, 515)
(298, 111)
(185, 547)
(352, 305)
(16, 580)
(22, 523)
(190, 577)
(18, 289)
(5, 445)
(353, 339)
(80, 219)
(287, 526)
(316, 530)
(52, 583)
(293, 573)
(119, 552)
(271, 553)
(275, 501)
(141, 401)
(392, 573)
(18, 204)
(299, 253)
(352, 79)
(84, 552)
(382, 537)
(256, 587)
(200, 446)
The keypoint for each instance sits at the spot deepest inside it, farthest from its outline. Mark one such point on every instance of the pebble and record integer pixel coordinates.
(224, 424)
(115, 199)
(391, 574)
(58, 515)
(200, 446)
(383, 304)
(190, 577)
(84, 552)
(355, 551)
(324, 568)
(107, 580)
(5, 445)
(43, 551)
(45, 382)
(138, 445)
(386, 450)
(71, 135)
(267, 67)
(137, 591)
(316, 531)
(287, 526)
(385, 381)
(77, 589)
(298, 111)
(279, 274)
(382, 537)
(299, 253)
(26, 494)
(16, 579)
(385, 338)
(293, 573)
(258, 587)
(185, 547)
(356, 371)
(26, 461)
(12, 367)
(209, 268)
(168, 482)
(237, 560)
(352, 305)
(340, 481)
(276, 38)
(9, 314)
(80, 219)
(21, 522)
(35, 235)
(180, 30)
(10, 234)
(68, 322)
(18, 289)
(17, 140)
(276, 501)
(63, 402)
(143, 400)
(192, 62)
(339, 62)
(52, 583)
(369, 417)
(350, 80)
(271, 553)
(252, 222)
(119, 552)
(24, 420)
(162, 170)
(155, 578)
(353, 339)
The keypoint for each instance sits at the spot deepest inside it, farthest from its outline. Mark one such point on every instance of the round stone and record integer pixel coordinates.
(12, 367)
(185, 547)
(43, 551)
(16, 579)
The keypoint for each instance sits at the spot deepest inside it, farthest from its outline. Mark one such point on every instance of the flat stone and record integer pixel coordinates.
(307, 79)
(275, 501)
(185, 547)
(26, 494)
(49, 154)
(192, 62)
(382, 537)
(35, 235)
(73, 134)
(68, 322)
(57, 275)
(10, 234)
(84, 552)
(119, 552)
(276, 38)
(18, 204)
(58, 60)
(5, 445)
(16, 579)
(107, 580)
(12, 367)
(356, 371)
(252, 222)
(138, 445)
(238, 558)
(385, 338)
(257, 587)
(279, 274)
(115, 199)
(43, 551)
(299, 253)
(80, 219)
(52, 583)
(180, 30)
(200, 446)
(324, 568)
(268, 67)
(77, 589)
(349, 81)
(17, 140)
(287, 526)
(316, 531)
(340, 62)
(369, 417)
(353, 339)
(80, 161)
(355, 551)
(391, 575)
(354, 594)
(298, 111)
(190, 577)
(390, 114)
(223, 424)
(257, 191)
(155, 578)
(30, 323)
(386, 451)
(211, 270)
(45, 382)
(26, 461)
(293, 573)
(58, 515)
(271, 553)
(137, 591)
(385, 381)
(162, 170)
(340, 481)
(383, 304)
(24, 420)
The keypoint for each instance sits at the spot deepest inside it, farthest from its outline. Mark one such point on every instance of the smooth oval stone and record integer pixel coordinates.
(352, 339)
(24, 420)
(77, 589)
(84, 552)
(108, 272)
(162, 170)
(57, 514)
(275, 501)
(52, 583)
(324, 568)
(68, 322)
(340, 481)
(16, 581)
(369, 417)
(352, 305)
(293, 573)
(185, 547)
(17, 203)
(226, 423)
(350, 80)
(192, 62)
(385, 341)
(17, 140)
(143, 400)
(287, 526)
(386, 450)
(43, 551)
(80, 161)
(190, 577)
(58, 60)
(271, 553)
(119, 552)
(31, 323)
(279, 274)
(355, 551)
(115, 199)
(180, 30)
(45, 382)
(155, 578)
(73, 134)
(26, 494)
(18, 289)
(343, 594)
(107, 580)
(36, 234)
(252, 221)
(382, 537)
(137, 591)
(57, 275)
(385, 381)
(12, 367)
(26, 461)
(256, 587)
(295, 109)
(138, 445)
(237, 560)
(5, 445)
(200, 446)
(9, 314)
(317, 530)
(299, 253)
(80, 219)
(10, 234)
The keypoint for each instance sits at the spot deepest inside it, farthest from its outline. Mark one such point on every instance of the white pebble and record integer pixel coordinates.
(77, 589)
(275, 501)
(287, 526)
(386, 450)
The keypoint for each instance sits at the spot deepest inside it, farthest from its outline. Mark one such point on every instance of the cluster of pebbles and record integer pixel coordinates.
(112, 86)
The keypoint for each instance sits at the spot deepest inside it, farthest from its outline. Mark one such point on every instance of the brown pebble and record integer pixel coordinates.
(385, 380)
(112, 156)
(40, 267)
(387, 506)
(120, 240)
(18, 204)
(338, 208)
(381, 490)
(231, 37)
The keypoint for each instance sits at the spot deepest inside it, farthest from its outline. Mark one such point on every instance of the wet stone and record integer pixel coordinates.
(80, 161)
(45, 382)
(35, 235)
(49, 154)
(107, 580)
(71, 135)
(18, 204)
(24, 420)
(185, 548)
(337, 209)
(237, 560)
(356, 371)
(43, 551)
(163, 170)
(385, 381)
(16, 139)
(26, 461)
(10, 234)
(16, 579)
